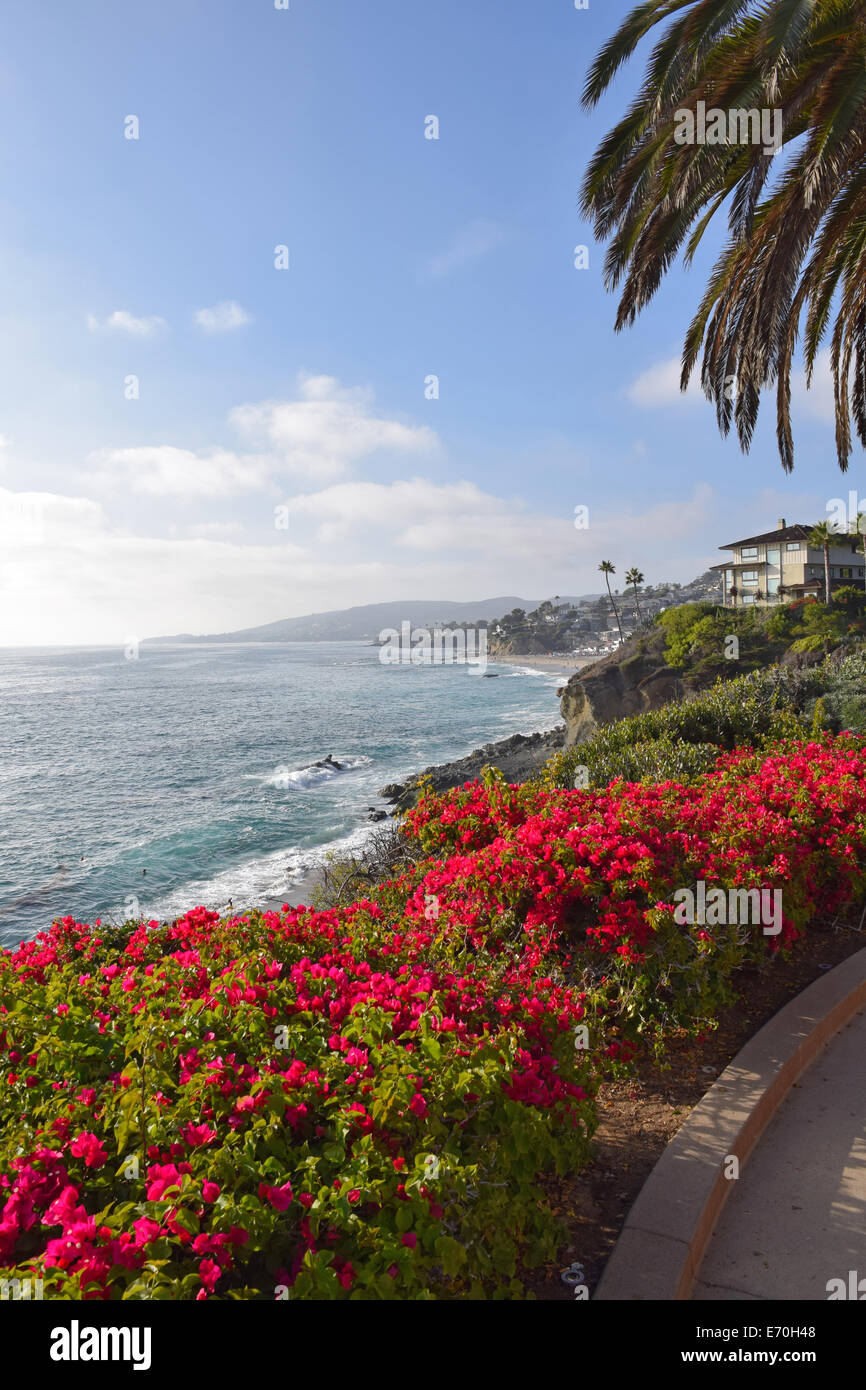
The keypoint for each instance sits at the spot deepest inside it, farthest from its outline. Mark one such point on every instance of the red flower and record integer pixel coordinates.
(280, 1198)
(91, 1149)
(197, 1135)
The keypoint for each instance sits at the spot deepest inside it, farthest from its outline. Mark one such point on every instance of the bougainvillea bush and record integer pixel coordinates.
(366, 1102)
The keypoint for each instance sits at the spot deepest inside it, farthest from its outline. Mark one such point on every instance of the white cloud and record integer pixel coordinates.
(659, 385)
(222, 318)
(77, 578)
(470, 244)
(433, 519)
(329, 429)
(318, 437)
(216, 530)
(164, 471)
(817, 400)
(123, 322)
(416, 513)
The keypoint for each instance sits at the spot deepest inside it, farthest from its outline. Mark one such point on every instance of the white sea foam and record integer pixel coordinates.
(287, 778)
(254, 881)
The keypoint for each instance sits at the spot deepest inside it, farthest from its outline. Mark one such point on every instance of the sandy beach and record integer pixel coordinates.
(300, 892)
(559, 665)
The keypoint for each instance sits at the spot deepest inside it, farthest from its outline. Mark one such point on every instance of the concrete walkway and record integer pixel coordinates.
(796, 1217)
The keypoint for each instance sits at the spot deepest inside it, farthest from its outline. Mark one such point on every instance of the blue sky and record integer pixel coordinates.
(261, 388)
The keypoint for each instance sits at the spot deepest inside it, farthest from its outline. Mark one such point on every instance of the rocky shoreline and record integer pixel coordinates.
(518, 757)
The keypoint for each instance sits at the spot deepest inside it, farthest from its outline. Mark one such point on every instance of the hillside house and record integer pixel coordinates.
(780, 566)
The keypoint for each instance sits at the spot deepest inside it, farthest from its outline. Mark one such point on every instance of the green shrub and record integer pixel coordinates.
(682, 740)
(840, 682)
(680, 626)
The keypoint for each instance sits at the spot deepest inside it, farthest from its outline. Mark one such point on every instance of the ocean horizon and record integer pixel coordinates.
(185, 777)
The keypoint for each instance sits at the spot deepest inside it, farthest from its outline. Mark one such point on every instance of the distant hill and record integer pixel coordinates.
(364, 624)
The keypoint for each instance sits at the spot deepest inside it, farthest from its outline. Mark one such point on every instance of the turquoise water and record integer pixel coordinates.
(192, 764)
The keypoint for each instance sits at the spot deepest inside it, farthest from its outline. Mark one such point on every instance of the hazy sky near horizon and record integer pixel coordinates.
(197, 439)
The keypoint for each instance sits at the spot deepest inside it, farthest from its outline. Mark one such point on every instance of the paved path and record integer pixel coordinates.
(796, 1218)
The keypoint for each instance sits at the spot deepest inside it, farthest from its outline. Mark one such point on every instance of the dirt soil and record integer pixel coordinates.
(640, 1116)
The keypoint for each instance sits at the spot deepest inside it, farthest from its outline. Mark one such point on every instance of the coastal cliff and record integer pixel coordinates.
(630, 681)
(687, 651)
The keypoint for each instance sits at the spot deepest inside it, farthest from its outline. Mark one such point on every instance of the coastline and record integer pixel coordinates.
(559, 665)
(518, 756)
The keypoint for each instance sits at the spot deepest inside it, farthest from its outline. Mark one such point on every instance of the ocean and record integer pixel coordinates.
(143, 787)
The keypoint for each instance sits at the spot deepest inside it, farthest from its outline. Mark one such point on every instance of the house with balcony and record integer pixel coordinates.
(781, 566)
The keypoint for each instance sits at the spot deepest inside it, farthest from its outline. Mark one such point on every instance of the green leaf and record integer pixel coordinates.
(451, 1254)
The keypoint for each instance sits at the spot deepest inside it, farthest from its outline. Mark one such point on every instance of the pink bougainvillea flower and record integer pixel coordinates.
(91, 1149)
(146, 1230)
(198, 1135)
(280, 1198)
(161, 1177)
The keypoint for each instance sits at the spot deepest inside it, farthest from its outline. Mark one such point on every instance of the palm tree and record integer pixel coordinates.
(796, 239)
(822, 535)
(634, 577)
(607, 570)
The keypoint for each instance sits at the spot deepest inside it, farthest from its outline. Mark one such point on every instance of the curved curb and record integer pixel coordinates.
(666, 1234)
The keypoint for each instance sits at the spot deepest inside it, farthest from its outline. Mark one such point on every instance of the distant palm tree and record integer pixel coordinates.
(607, 570)
(822, 535)
(634, 577)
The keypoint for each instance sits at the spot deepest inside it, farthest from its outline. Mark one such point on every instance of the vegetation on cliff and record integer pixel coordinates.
(692, 646)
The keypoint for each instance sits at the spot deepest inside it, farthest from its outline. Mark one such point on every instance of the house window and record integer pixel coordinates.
(773, 584)
(749, 576)
(793, 545)
(749, 552)
(748, 598)
(846, 573)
